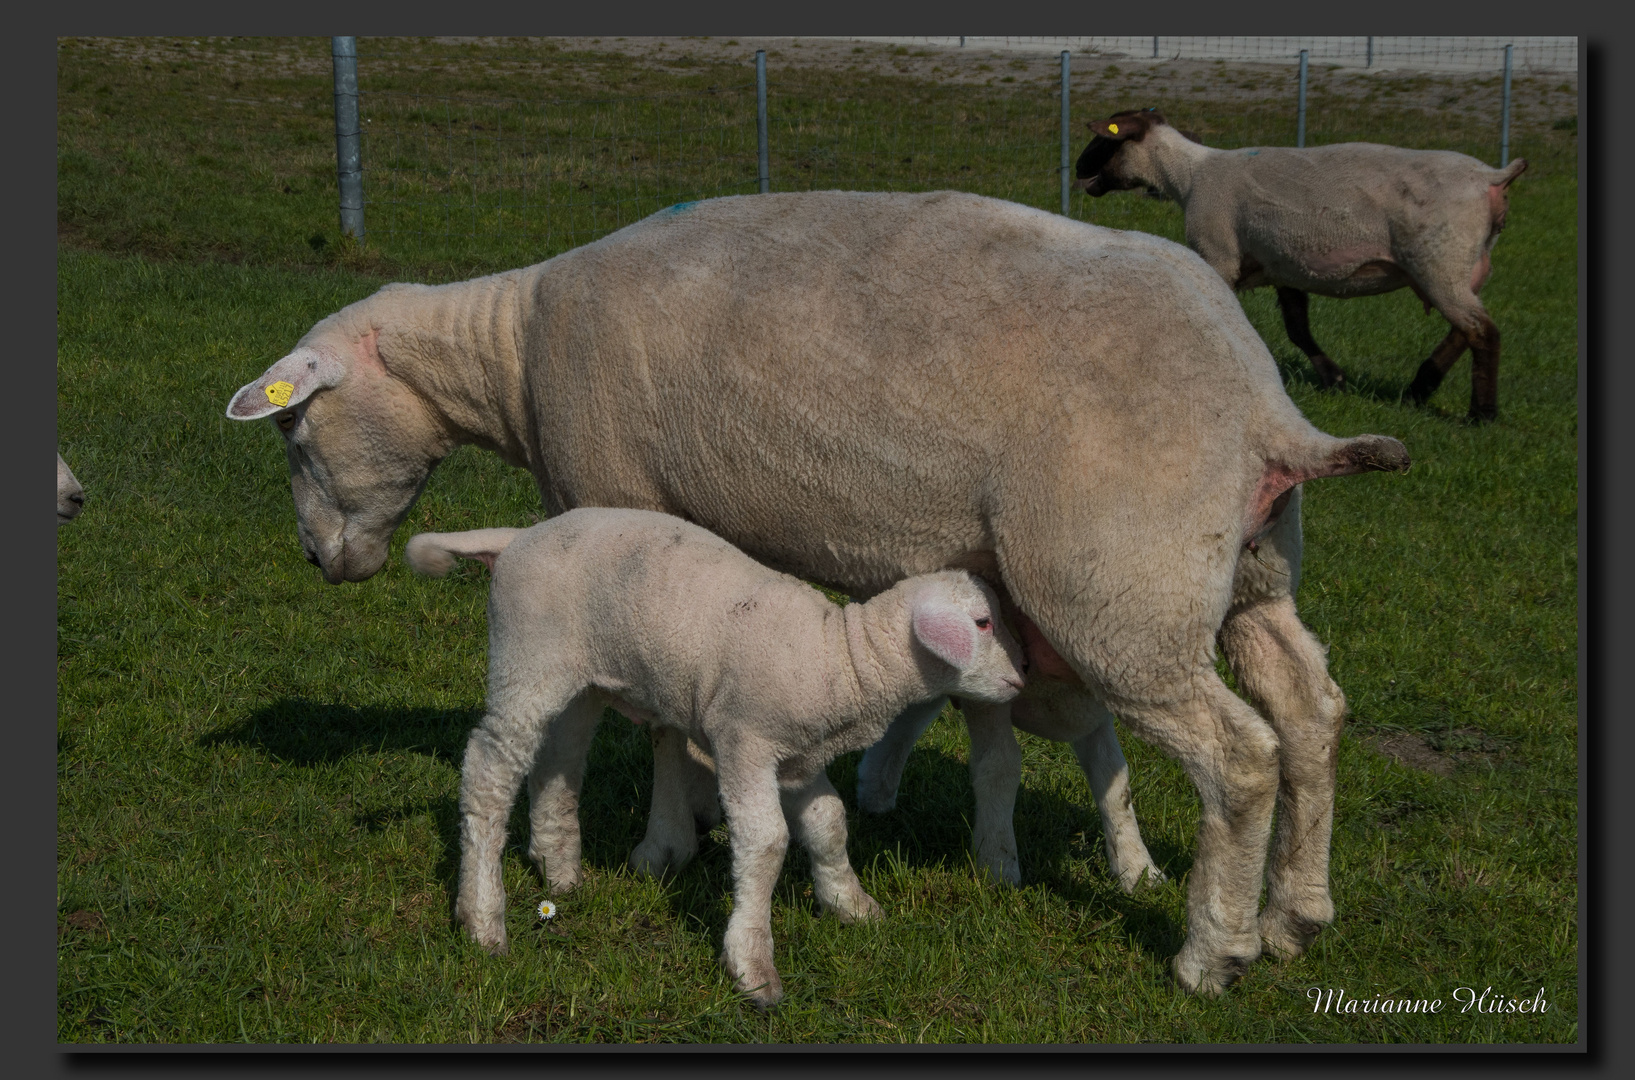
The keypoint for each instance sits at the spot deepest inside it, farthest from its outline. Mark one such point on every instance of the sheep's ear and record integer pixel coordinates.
(1119, 128)
(947, 631)
(288, 382)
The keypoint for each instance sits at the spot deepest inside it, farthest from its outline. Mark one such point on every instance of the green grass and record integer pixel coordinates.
(257, 772)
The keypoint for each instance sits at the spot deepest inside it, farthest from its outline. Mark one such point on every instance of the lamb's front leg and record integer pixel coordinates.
(679, 783)
(996, 773)
(818, 818)
(881, 769)
(755, 821)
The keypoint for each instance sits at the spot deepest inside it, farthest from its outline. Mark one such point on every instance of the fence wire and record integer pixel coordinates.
(516, 179)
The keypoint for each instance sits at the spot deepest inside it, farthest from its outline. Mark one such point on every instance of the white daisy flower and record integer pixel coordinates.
(546, 909)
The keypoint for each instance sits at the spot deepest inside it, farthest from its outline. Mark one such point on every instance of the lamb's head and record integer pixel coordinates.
(956, 620)
(70, 496)
(1118, 158)
(360, 446)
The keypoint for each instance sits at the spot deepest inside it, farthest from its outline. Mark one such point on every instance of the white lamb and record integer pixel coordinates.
(670, 624)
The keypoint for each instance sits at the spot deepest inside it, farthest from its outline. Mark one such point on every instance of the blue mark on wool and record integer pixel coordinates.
(1251, 153)
(679, 207)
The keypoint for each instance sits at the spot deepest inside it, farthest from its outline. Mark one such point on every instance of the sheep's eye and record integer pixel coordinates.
(983, 623)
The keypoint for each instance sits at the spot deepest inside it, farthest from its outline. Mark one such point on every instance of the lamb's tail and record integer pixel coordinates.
(433, 554)
(1317, 458)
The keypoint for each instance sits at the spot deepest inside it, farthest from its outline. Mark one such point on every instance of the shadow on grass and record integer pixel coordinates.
(929, 828)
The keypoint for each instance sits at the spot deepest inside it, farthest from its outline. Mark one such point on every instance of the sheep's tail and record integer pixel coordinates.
(433, 554)
(1509, 173)
(1312, 458)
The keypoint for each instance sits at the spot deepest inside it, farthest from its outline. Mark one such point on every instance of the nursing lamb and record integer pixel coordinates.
(1351, 219)
(862, 387)
(672, 625)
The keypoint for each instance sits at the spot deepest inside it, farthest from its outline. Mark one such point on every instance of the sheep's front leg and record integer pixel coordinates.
(553, 794)
(996, 773)
(498, 755)
(819, 821)
(679, 781)
(1296, 321)
(1283, 669)
(749, 793)
(881, 770)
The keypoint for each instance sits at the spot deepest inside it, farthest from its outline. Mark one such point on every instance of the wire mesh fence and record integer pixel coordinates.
(518, 178)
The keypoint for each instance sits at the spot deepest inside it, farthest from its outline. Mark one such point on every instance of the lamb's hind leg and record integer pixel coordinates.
(1297, 322)
(1108, 774)
(500, 752)
(553, 793)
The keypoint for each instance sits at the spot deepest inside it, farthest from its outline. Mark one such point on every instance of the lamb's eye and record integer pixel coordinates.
(983, 623)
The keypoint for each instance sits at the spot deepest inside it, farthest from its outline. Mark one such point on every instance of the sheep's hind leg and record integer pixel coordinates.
(680, 783)
(553, 794)
(1436, 368)
(1230, 753)
(1283, 669)
(881, 770)
(818, 819)
(1296, 321)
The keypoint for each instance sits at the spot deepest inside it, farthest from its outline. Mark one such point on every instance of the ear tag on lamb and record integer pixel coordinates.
(1112, 129)
(279, 393)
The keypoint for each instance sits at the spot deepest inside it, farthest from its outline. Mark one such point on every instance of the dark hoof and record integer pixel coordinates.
(1482, 416)
(1329, 374)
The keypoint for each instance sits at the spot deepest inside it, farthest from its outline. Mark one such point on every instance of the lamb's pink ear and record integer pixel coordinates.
(947, 631)
(288, 382)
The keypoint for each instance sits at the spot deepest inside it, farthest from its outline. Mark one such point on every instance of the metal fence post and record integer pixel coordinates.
(760, 118)
(1300, 122)
(348, 156)
(1504, 113)
(1155, 46)
(1370, 62)
(1066, 119)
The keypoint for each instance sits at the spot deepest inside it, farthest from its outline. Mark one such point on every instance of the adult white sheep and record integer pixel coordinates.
(858, 388)
(672, 625)
(70, 495)
(1350, 219)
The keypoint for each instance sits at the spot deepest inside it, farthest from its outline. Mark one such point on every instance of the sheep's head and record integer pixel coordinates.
(956, 620)
(1113, 161)
(70, 496)
(360, 446)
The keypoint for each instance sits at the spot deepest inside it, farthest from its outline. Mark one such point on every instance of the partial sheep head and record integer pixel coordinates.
(1104, 166)
(70, 496)
(360, 447)
(956, 619)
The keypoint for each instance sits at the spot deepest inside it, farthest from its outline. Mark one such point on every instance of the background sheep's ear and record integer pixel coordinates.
(288, 382)
(1103, 128)
(947, 631)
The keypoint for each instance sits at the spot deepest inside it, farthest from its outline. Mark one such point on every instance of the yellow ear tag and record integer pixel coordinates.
(279, 393)
(1112, 129)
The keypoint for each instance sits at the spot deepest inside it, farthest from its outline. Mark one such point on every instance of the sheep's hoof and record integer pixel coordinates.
(1287, 936)
(1482, 416)
(758, 981)
(655, 859)
(1137, 880)
(858, 908)
(1329, 374)
(1209, 977)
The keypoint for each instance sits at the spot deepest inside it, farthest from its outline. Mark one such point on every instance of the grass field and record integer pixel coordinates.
(257, 772)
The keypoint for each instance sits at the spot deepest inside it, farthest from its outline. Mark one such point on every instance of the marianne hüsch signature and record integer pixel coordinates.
(1466, 999)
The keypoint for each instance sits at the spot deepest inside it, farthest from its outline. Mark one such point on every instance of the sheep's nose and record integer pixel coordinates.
(77, 499)
(312, 557)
